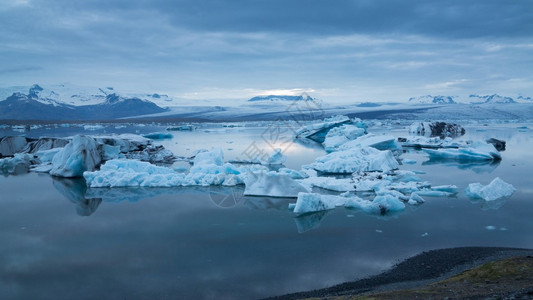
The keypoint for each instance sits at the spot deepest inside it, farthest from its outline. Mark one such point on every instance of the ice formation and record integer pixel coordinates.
(272, 184)
(80, 155)
(354, 160)
(276, 158)
(318, 131)
(158, 136)
(9, 145)
(473, 152)
(18, 164)
(495, 190)
(208, 169)
(338, 136)
(441, 129)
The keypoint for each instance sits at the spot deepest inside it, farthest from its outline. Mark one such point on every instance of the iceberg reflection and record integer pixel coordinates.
(484, 166)
(75, 189)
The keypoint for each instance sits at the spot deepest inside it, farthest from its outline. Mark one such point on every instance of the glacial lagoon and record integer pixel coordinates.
(62, 240)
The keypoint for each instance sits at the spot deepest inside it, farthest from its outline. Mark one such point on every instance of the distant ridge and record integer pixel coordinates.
(34, 106)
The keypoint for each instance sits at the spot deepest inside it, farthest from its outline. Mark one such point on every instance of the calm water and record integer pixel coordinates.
(59, 240)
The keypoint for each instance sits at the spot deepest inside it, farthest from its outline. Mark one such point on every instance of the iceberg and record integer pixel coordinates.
(473, 152)
(18, 164)
(276, 158)
(129, 173)
(9, 145)
(329, 183)
(495, 190)
(380, 142)
(311, 202)
(208, 169)
(338, 136)
(80, 155)
(272, 184)
(158, 136)
(355, 159)
(318, 131)
(441, 129)
(45, 143)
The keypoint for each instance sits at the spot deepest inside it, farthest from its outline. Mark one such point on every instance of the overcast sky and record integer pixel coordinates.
(337, 50)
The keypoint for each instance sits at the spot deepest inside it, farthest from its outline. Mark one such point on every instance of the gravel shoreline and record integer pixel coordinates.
(417, 271)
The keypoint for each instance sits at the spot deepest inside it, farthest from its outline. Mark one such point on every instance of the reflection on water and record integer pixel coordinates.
(75, 190)
(211, 242)
(485, 166)
(311, 221)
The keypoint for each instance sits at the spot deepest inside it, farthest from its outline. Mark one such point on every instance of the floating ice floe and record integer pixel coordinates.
(441, 129)
(495, 190)
(318, 131)
(380, 142)
(420, 142)
(354, 160)
(272, 184)
(338, 136)
(93, 127)
(276, 158)
(472, 152)
(208, 169)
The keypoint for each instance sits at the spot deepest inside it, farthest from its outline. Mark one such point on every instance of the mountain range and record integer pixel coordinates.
(471, 99)
(36, 106)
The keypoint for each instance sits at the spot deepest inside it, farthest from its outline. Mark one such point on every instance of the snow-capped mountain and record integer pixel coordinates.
(273, 98)
(82, 95)
(39, 104)
(495, 98)
(428, 99)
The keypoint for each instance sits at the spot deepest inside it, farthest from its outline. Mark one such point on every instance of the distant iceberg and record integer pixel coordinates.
(354, 160)
(495, 190)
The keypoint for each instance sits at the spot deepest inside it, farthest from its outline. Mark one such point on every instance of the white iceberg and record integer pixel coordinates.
(208, 169)
(380, 142)
(329, 183)
(311, 202)
(355, 160)
(340, 135)
(276, 158)
(473, 152)
(318, 131)
(272, 184)
(128, 173)
(80, 155)
(495, 190)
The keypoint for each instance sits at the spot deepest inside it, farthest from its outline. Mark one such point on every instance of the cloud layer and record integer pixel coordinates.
(341, 50)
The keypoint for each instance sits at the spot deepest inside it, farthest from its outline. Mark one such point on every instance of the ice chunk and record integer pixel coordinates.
(276, 158)
(431, 193)
(110, 152)
(93, 127)
(388, 203)
(416, 198)
(80, 155)
(380, 142)
(125, 172)
(318, 131)
(185, 127)
(329, 183)
(475, 151)
(441, 129)
(18, 164)
(293, 173)
(158, 136)
(354, 160)
(340, 135)
(272, 184)
(46, 156)
(496, 189)
(311, 202)
(45, 143)
(9, 145)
